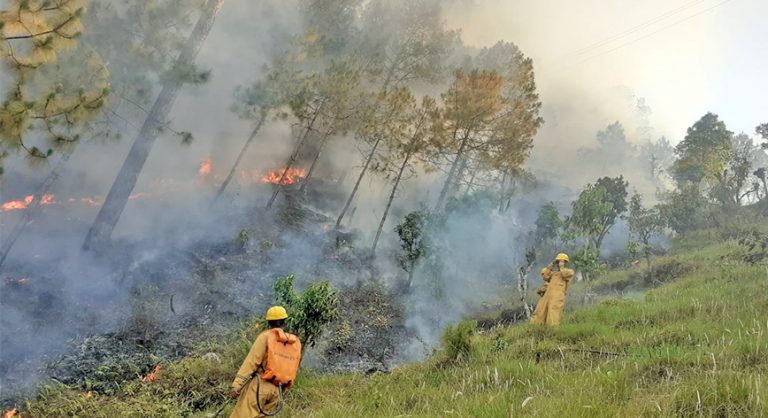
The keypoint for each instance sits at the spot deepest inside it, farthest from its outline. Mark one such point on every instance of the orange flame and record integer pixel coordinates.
(47, 199)
(205, 167)
(90, 202)
(152, 375)
(18, 204)
(22, 280)
(9, 413)
(290, 176)
(89, 394)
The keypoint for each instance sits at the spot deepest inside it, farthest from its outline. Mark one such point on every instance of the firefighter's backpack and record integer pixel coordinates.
(283, 357)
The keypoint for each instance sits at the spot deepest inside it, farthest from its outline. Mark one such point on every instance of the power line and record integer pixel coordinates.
(641, 26)
(652, 33)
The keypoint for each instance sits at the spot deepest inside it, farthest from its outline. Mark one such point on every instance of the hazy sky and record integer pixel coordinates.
(686, 57)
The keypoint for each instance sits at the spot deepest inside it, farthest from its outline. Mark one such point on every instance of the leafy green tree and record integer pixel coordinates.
(310, 312)
(587, 262)
(644, 225)
(658, 156)
(762, 130)
(598, 207)
(704, 153)
(613, 150)
(733, 183)
(413, 241)
(683, 209)
(548, 222)
(548, 234)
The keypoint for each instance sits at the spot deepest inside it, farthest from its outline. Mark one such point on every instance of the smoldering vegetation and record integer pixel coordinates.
(360, 142)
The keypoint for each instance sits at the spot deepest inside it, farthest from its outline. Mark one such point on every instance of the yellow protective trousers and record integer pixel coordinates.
(268, 393)
(549, 310)
(246, 404)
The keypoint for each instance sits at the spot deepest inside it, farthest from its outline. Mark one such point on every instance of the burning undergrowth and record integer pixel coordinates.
(172, 300)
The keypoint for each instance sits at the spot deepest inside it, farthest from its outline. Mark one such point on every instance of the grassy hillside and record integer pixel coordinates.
(694, 346)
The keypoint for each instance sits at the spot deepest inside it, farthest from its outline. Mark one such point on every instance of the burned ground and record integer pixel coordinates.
(179, 298)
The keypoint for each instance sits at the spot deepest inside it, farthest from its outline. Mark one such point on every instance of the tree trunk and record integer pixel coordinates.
(502, 193)
(351, 215)
(459, 176)
(471, 182)
(389, 202)
(410, 273)
(113, 206)
(314, 162)
(292, 159)
(240, 157)
(357, 183)
(522, 286)
(384, 87)
(32, 208)
(452, 173)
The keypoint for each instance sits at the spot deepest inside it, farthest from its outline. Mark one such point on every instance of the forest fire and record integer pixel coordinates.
(290, 176)
(10, 413)
(152, 375)
(46, 199)
(18, 204)
(205, 167)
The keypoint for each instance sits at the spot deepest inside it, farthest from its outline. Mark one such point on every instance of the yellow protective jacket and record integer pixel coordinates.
(549, 310)
(268, 393)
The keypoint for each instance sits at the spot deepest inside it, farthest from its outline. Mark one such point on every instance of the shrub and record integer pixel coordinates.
(309, 312)
(457, 340)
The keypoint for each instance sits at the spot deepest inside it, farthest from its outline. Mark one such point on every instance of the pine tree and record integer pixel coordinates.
(113, 206)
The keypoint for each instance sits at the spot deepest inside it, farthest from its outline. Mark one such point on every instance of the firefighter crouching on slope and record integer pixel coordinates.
(270, 367)
(557, 277)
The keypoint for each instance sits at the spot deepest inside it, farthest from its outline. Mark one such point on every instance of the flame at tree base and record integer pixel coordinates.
(284, 176)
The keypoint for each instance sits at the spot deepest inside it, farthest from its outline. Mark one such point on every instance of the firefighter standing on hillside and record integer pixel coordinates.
(557, 278)
(270, 367)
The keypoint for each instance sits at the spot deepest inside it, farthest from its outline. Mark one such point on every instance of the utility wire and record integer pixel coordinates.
(652, 33)
(637, 28)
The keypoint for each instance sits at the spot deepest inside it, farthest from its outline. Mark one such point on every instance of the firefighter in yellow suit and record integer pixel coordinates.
(253, 365)
(557, 278)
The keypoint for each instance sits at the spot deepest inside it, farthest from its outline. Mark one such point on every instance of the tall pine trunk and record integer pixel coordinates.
(389, 202)
(502, 192)
(384, 87)
(113, 206)
(459, 176)
(314, 162)
(292, 159)
(357, 183)
(452, 173)
(240, 157)
(471, 182)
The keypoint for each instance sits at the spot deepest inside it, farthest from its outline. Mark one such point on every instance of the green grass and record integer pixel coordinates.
(697, 346)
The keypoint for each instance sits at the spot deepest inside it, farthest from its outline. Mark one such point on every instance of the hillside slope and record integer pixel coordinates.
(696, 346)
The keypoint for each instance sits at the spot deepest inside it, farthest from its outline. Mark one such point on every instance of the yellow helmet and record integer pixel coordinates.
(562, 256)
(276, 313)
